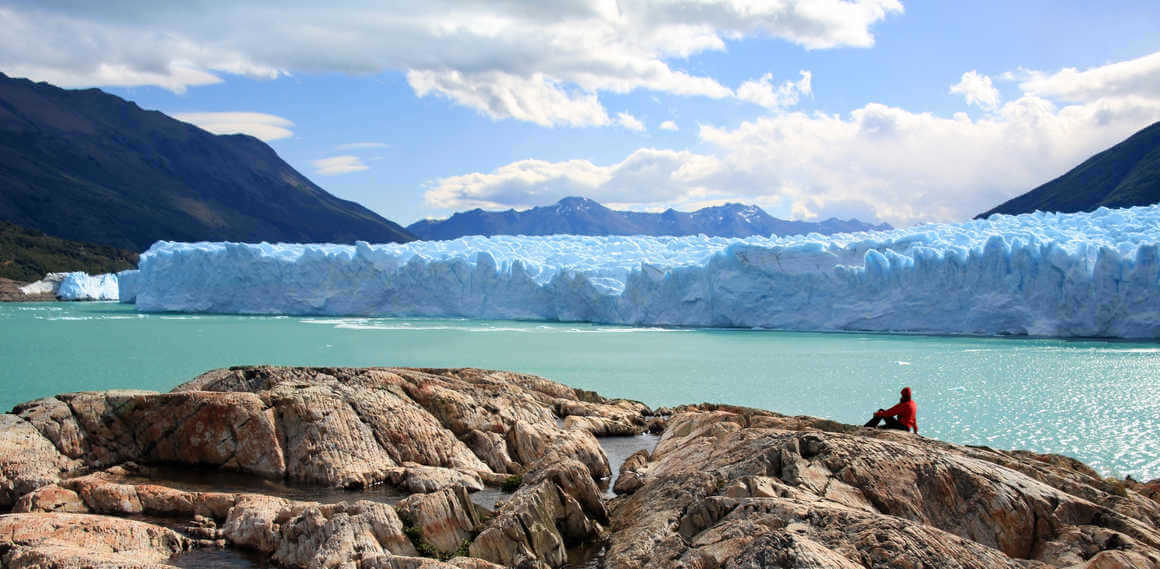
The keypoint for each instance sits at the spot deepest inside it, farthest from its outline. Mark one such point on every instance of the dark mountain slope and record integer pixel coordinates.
(1125, 175)
(27, 255)
(90, 166)
(581, 216)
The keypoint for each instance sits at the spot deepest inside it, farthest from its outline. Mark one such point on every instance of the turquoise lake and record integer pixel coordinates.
(1094, 400)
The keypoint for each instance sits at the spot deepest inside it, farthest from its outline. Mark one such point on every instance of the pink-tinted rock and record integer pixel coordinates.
(56, 540)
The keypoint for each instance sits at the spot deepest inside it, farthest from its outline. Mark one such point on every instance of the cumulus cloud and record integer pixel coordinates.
(646, 176)
(763, 92)
(669, 125)
(263, 126)
(543, 62)
(877, 161)
(538, 99)
(1136, 77)
(336, 165)
(630, 122)
(978, 90)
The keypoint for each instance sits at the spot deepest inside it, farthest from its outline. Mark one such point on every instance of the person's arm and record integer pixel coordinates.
(916, 425)
(893, 411)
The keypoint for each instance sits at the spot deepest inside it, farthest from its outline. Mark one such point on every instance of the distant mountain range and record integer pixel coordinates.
(582, 216)
(89, 166)
(1125, 175)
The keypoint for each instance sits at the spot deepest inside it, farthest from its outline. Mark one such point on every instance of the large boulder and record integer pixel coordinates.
(67, 541)
(28, 460)
(444, 521)
(734, 487)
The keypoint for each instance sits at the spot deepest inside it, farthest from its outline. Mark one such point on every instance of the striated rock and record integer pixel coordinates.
(28, 460)
(413, 478)
(54, 419)
(525, 529)
(63, 541)
(632, 473)
(725, 486)
(532, 442)
(602, 426)
(339, 534)
(558, 505)
(492, 449)
(51, 498)
(444, 520)
(745, 488)
(325, 440)
(255, 522)
(402, 562)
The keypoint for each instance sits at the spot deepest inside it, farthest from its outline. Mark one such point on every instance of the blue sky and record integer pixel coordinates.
(459, 104)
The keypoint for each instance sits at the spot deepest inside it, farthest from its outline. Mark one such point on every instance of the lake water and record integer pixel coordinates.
(1097, 401)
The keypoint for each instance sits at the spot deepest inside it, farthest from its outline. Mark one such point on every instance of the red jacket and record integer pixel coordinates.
(905, 412)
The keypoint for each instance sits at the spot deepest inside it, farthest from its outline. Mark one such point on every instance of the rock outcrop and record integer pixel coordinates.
(83, 477)
(731, 487)
(437, 435)
(65, 541)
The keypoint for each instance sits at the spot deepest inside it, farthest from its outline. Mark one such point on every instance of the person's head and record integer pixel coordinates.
(905, 395)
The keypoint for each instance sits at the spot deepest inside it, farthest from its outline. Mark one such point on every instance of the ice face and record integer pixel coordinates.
(1089, 274)
(127, 286)
(82, 286)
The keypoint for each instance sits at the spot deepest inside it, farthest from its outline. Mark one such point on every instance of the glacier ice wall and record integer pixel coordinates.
(83, 286)
(1089, 274)
(127, 286)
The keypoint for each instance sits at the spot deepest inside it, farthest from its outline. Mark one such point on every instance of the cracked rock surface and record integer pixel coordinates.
(733, 487)
(81, 460)
(82, 482)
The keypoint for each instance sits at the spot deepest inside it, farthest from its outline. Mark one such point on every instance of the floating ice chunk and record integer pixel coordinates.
(1088, 274)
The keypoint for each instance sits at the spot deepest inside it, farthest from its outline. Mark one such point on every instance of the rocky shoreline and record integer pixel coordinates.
(10, 291)
(467, 468)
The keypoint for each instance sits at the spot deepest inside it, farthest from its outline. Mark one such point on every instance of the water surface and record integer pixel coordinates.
(1098, 401)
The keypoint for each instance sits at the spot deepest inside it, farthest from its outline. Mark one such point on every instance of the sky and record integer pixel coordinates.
(877, 109)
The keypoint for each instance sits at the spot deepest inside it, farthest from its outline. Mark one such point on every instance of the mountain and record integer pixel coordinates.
(90, 166)
(27, 255)
(1124, 175)
(582, 216)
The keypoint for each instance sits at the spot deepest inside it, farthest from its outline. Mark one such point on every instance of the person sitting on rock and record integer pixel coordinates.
(901, 416)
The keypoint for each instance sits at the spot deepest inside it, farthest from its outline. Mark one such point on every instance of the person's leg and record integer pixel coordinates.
(892, 423)
(873, 422)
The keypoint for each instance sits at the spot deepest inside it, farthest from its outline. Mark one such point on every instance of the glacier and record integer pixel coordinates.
(82, 286)
(1087, 274)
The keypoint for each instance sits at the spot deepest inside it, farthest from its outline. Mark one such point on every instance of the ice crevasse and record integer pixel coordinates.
(1084, 274)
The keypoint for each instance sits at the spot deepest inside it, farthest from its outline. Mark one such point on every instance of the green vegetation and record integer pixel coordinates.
(27, 255)
(512, 483)
(427, 550)
(1125, 175)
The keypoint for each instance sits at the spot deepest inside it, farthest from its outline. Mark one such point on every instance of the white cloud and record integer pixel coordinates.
(264, 126)
(669, 125)
(977, 90)
(336, 165)
(543, 62)
(536, 99)
(644, 177)
(362, 146)
(762, 91)
(897, 165)
(630, 122)
(1139, 77)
